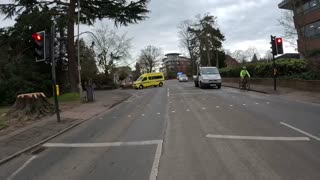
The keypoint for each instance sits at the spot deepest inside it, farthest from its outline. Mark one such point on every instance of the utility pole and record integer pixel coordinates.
(53, 70)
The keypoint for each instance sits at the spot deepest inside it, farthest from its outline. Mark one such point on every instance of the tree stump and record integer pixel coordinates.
(30, 106)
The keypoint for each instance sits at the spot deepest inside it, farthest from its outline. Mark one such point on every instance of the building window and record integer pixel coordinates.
(312, 30)
(308, 7)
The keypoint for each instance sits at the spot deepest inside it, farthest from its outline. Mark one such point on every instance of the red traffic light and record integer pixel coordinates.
(37, 37)
(279, 40)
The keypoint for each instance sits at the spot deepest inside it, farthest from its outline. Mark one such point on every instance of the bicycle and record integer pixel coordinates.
(244, 85)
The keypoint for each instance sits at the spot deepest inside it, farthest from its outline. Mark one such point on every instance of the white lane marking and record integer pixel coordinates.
(188, 94)
(142, 114)
(244, 104)
(168, 92)
(158, 113)
(258, 138)
(156, 162)
(129, 115)
(170, 102)
(268, 102)
(110, 144)
(231, 105)
(21, 168)
(101, 118)
(257, 103)
(128, 101)
(114, 117)
(203, 108)
(188, 110)
(173, 111)
(217, 106)
(301, 131)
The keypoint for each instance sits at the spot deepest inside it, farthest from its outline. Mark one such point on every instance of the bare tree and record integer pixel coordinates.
(110, 47)
(268, 56)
(239, 55)
(290, 31)
(186, 41)
(149, 57)
(250, 52)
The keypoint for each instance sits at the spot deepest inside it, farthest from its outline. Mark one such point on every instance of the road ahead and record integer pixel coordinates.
(179, 132)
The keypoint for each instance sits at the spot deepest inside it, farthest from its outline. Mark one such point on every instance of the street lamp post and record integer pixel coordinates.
(79, 65)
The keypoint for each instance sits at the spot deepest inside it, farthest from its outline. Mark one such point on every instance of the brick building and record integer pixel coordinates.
(307, 23)
(173, 63)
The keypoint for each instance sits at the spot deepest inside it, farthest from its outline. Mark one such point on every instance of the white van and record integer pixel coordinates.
(207, 77)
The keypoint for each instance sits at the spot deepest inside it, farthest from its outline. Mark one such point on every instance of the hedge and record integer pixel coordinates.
(287, 68)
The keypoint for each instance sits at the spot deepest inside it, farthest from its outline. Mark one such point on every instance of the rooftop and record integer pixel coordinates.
(285, 4)
(172, 54)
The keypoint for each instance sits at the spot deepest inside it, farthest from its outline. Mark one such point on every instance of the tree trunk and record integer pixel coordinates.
(72, 63)
(30, 106)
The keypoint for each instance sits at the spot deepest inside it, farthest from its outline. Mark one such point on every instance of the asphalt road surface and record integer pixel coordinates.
(179, 132)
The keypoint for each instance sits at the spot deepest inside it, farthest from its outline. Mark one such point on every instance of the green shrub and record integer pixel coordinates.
(295, 68)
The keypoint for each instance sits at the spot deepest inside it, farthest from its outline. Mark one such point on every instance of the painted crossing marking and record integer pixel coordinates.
(96, 145)
(264, 138)
(21, 168)
(301, 131)
(156, 162)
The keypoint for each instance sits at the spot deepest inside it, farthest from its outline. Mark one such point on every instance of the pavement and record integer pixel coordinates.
(179, 132)
(15, 142)
(307, 96)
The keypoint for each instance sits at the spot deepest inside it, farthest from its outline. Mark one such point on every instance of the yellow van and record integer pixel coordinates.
(149, 79)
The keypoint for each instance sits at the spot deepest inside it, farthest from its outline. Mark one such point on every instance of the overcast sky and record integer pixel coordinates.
(245, 23)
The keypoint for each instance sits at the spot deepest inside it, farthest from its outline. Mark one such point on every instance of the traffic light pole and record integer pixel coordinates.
(53, 70)
(274, 73)
(274, 51)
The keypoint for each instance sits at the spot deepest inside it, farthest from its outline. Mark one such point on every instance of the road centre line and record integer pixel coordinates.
(168, 92)
(22, 167)
(301, 131)
(110, 144)
(258, 138)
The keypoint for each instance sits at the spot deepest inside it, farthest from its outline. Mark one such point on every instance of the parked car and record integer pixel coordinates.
(183, 78)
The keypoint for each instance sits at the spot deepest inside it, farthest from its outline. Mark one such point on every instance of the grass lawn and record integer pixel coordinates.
(3, 121)
(68, 97)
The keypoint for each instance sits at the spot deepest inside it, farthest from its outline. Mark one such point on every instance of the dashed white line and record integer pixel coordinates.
(21, 168)
(129, 115)
(203, 108)
(188, 110)
(244, 104)
(168, 92)
(93, 145)
(301, 131)
(173, 111)
(268, 102)
(230, 105)
(217, 106)
(258, 138)
(158, 113)
(142, 114)
(257, 103)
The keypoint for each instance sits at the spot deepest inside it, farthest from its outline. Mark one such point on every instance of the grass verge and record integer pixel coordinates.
(3, 119)
(68, 97)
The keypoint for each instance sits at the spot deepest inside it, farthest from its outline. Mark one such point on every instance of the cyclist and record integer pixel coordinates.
(244, 74)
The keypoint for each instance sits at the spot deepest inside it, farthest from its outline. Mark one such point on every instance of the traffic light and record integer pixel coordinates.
(39, 45)
(279, 43)
(273, 45)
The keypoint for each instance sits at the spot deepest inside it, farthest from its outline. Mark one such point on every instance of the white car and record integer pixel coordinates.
(183, 78)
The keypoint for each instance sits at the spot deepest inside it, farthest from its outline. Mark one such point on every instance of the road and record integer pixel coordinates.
(179, 132)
